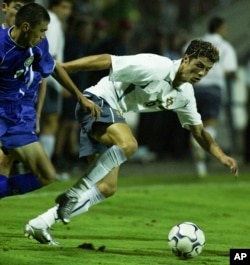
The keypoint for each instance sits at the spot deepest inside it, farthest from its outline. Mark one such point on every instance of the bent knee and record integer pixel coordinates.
(129, 148)
(47, 178)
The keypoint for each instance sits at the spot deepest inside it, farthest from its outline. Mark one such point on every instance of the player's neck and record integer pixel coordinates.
(177, 81)
(18, 37)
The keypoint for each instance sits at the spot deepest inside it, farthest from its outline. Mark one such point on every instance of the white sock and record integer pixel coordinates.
(89, 198)
(48, 142)
(92, 197)
(111, 158)
(46, 219)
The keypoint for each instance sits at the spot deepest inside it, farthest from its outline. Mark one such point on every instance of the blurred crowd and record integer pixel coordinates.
(122, 27)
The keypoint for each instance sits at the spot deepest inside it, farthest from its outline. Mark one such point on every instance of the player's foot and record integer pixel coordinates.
(41, 235)
(66, 205)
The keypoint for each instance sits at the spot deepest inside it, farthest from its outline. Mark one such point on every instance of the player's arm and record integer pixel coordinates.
(41, 96)
(88, 63)
(208, 143)
(64, 79)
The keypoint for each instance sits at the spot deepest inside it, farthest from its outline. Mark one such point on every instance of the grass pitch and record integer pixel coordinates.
(132, 227)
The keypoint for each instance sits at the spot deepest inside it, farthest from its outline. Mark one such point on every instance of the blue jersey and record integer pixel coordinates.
(21, 69)
(31, 95)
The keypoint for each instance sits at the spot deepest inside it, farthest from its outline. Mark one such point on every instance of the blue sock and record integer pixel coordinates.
(5, 189)
(23, 183)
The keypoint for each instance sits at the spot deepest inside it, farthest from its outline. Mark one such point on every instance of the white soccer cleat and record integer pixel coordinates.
(43, 236)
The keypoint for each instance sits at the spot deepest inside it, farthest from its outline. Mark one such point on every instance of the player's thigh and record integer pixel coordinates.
(114, 134)
(36, 159)
(6, 163)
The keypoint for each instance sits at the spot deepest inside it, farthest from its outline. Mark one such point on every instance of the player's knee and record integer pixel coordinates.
(129, 148)
(47, 177)
(106, 189)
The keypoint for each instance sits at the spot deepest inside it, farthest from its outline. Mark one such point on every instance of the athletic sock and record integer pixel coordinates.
(111, 158)
(89, 198)
(18, 184)
(48, 142)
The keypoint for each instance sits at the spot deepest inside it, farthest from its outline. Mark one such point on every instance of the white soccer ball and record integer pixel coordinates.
(186, 240)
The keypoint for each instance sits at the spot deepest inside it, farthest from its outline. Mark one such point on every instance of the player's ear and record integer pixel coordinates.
(4, 7)
(25, 27)
(186, 58)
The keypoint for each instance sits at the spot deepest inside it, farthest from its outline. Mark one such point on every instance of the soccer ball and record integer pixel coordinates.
(186, 240)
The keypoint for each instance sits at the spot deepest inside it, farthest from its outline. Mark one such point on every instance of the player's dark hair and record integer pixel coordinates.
(53, 3)
(32, 13)
(200, 48)
(214, 24)
(22, 1)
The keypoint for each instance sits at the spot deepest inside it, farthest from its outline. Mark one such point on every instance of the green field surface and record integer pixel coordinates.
(131, 227)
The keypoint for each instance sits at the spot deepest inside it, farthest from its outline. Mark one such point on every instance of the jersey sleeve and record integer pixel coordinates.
(45, 63)
(139, 68)
(189, 115)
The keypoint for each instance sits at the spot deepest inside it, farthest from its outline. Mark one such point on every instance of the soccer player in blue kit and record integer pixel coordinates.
(21, 183)
(23, 54)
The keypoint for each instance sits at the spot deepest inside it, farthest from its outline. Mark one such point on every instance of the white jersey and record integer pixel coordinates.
(143, 83)
(56, 39)
(227, 62)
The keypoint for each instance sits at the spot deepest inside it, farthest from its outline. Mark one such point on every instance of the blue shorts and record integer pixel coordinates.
(88, 145)
(209, 101)
(17, 125)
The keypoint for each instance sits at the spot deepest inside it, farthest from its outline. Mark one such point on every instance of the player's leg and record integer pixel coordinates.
(122, 146)
(49, 130)
(36, 159)
(51, 112)
(6, 162)
(209, 103)
(39, 227)
(17, 184)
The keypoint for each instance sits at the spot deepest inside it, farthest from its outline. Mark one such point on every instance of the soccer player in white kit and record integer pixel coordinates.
(143, 82)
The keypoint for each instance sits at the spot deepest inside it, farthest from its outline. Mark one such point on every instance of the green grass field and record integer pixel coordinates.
(133, 225)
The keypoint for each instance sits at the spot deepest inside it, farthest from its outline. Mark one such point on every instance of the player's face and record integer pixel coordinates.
(194, 70)
(10, 12)
(35, 35)
(63, 10)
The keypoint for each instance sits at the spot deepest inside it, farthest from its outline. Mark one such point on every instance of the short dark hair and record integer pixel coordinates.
(32, 13)
(215, 23)
(200, 48)
(53, 3)
(22, 1)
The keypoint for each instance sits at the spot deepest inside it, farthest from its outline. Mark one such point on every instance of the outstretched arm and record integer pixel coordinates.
(208, 144)
(63, 78)
(88, 63)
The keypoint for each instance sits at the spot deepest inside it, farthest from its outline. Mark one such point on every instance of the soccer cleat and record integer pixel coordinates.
(66, 206)
(43, 236)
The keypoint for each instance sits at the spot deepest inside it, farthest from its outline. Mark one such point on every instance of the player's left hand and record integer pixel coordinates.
(232, 164)
(89, 105)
